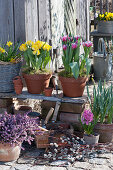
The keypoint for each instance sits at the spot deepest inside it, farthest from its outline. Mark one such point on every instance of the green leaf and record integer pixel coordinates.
(75, 69)
(88, 66)
(38, 63)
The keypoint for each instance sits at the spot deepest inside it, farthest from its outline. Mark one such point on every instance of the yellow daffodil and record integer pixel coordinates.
(34, 47)
(12, 60)
(106, 13)
(47, 47)
(2, 50)
(9, 43)
(29, 43)
(102, 15)
(23, 47)
(39, 44)
(36, 52)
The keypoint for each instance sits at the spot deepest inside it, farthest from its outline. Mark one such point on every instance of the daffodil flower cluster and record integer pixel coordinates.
(36, 54)
(35, 47)
(9, 53)
(105, 17)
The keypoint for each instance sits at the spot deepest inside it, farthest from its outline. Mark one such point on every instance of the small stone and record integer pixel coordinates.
(97, 161)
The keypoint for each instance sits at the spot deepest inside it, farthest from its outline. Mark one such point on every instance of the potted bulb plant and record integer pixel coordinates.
(10, 64)
(88, 122)
(105, 23)
(76, 67)
(37, 57)
(102, 106)
(14, 129)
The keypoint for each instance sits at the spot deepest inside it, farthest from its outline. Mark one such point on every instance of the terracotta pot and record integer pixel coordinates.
(105, 131)
(73, 87)
(36, 82)
(8, 152)
(48, 91)
(18, 88)
(17, 81)
(91, 139)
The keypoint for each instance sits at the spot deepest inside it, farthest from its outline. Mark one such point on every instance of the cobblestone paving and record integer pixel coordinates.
(28, 161)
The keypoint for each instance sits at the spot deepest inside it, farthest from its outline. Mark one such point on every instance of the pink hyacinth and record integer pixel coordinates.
(87, 44)
(87, 117)
(74, 45)
(64, 47)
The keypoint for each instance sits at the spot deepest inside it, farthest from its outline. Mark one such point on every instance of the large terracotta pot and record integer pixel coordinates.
(36, 82)
(73, 87)
(9, 153)
(105, 131)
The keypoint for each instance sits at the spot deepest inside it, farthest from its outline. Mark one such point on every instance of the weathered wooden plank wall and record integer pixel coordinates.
(44, 20)
(82, 16)
(6, 20)
(22, 20)
(19, 21)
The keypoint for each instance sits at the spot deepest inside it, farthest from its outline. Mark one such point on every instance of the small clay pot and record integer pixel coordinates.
(18, 88)
(91, 139)
(48, 91)
(17, 81)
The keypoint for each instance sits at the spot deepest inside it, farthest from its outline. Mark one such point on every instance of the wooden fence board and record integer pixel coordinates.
(19, 20)
(6, 21)
(31, 20)
(82, 11)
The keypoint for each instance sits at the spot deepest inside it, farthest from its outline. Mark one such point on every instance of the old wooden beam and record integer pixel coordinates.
(26, 95)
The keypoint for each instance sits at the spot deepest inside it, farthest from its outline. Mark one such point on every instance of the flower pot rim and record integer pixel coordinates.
(108, 124)
(8, 143)
(95, 134)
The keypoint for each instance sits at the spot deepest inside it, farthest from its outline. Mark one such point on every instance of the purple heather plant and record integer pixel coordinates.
(87, 121)
(15, 129)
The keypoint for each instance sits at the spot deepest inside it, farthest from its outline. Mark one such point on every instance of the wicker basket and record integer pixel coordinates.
(7, 73)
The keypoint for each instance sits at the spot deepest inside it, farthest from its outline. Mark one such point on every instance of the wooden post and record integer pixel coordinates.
(101, 6)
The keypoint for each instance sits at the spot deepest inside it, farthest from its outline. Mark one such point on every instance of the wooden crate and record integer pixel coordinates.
(42, 140)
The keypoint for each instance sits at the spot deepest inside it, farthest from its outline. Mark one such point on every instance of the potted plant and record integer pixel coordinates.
(102, 106)
(9, 65)
(105, 23)
(37, 57)
(88, 122)
(76, 67)
(14, 129)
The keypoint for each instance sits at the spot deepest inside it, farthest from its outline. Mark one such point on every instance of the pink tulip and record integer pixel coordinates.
(74, 45)
(64, 47)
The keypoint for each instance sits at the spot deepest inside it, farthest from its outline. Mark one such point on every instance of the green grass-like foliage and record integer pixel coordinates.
(102, 105)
